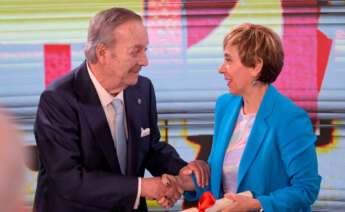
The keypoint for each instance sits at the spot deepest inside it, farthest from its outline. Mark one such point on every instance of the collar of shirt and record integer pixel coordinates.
(105, 97)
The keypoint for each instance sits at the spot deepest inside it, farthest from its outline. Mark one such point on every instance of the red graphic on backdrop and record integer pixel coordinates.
(165, 30)
(298, 79)
(323, 51)
(203, 16)
(57, 61)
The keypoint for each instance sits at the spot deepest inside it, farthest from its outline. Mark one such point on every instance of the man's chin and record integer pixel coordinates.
(133, 81)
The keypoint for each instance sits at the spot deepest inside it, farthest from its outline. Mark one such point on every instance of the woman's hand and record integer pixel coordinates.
(241, 203)
(200, 169)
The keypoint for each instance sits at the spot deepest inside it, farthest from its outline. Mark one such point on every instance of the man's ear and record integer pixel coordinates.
(258, 67)
(100, 52)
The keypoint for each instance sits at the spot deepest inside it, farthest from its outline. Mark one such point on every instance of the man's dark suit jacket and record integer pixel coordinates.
(79, 167)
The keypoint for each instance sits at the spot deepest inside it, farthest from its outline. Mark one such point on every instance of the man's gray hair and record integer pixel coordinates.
(101, 28)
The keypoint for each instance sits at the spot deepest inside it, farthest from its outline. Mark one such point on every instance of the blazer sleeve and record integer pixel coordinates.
(163, 158)
(58, 140)
(296, 145)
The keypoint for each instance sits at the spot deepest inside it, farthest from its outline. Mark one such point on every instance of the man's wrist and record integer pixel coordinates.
(145, 184)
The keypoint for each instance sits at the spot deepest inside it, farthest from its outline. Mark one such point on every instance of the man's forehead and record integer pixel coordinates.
(135, 32)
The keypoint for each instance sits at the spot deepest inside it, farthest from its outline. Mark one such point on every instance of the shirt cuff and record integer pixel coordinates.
(137, 200)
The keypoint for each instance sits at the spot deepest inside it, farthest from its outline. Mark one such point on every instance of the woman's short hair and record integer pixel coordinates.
(101, 29)
(254, 42)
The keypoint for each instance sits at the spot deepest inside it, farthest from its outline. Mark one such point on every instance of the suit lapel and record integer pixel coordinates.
(92, 109)
(257, 133)
(134, 103)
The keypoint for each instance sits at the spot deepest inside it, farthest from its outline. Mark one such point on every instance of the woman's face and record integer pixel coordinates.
(239, 77)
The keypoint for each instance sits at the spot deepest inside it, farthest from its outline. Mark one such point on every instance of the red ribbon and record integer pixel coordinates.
(206, 200)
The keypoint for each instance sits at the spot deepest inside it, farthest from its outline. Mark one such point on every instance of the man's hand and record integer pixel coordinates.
(165, 190)
(200, 169)
(174, 192)
(152, 188)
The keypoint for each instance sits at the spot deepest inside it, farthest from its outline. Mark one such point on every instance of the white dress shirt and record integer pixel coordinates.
(106, 99)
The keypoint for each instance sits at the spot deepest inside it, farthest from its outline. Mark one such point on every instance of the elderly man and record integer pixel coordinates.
(96, 128)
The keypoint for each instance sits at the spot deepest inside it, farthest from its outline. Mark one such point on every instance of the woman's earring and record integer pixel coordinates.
(254, 82)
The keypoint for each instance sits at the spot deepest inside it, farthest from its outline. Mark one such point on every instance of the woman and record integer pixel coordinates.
(263, 142)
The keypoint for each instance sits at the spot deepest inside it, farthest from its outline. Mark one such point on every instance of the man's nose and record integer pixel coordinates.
(143, 61)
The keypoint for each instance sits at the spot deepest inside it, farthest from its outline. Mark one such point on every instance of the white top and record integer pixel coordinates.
(234, 151)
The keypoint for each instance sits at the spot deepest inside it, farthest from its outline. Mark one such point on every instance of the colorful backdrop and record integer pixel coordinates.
(40, 40)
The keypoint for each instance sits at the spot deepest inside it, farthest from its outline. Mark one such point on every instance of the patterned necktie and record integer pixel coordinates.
(120, 135)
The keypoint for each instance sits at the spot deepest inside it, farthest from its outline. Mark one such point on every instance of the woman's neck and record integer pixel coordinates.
(253, 98)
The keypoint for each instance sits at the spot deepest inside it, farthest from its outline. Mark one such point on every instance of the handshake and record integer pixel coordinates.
(167, 189)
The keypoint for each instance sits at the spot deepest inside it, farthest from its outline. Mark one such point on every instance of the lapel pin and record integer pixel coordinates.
(139, 101)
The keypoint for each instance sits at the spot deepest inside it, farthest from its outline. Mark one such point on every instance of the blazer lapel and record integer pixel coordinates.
(93, 111)
(224, 134)
(257, 133)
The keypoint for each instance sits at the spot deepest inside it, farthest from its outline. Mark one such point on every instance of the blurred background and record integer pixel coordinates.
(41, 40)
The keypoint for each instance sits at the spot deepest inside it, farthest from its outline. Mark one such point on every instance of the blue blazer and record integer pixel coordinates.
(79, 166)
(279, 163)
